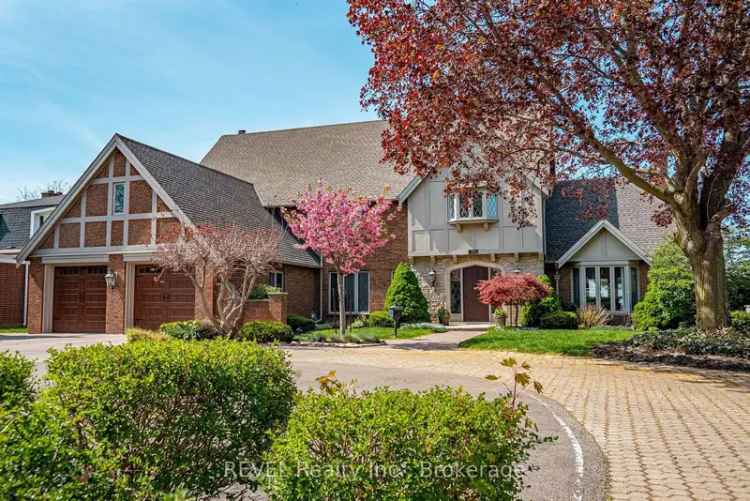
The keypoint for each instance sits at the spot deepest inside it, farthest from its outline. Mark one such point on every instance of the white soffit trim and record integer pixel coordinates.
(614, 231)
(8, 259)
(67, 201)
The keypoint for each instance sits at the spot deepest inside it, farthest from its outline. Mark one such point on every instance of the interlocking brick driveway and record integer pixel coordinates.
(667, 433)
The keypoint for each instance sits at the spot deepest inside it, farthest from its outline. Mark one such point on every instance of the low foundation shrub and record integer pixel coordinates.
(378, 318)
(559, 320)
(134, 334)
(135, 420)
(266, 331)
(16, 380)
(298, 323)
(532, 313)
(189, 330)
(441, 444)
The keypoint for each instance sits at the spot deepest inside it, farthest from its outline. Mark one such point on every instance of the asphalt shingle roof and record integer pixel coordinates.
(284, 163)
(627, 209)
(209, 197)
(15, 220)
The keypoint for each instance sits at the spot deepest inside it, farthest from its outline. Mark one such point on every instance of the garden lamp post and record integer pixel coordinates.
(395, 312)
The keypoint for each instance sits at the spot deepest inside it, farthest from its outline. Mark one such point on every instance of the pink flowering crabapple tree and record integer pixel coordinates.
(343, 229)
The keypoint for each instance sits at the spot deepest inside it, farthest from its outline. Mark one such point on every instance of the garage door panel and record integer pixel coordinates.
(80, 299)
(162, 297)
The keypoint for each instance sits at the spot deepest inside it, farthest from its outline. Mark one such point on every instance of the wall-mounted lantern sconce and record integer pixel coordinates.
(111, 279)
(432, 277)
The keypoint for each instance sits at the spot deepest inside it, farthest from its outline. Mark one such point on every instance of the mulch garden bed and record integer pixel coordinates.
(617, 351)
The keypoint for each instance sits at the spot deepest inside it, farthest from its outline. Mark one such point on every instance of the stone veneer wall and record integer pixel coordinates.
(440, 293)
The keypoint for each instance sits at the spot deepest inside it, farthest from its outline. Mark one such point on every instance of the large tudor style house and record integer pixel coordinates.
(89, 265)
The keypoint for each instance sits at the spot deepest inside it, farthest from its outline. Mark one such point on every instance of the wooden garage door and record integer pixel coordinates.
(80, 299)
(161, 297)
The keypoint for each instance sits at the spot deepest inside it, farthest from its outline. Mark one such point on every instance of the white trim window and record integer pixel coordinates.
(481, 207)
(276, 279)
(357, 292)
(118, 198)
(38, 218)
(614, 287)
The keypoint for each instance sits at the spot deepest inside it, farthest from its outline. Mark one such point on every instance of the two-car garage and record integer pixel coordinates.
(80, 298)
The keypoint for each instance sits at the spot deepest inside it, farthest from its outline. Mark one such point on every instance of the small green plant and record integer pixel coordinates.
(521, 377)
(298, 323)
(593, 316)
(379, 318)
(266, 331)
(559, 320)
(501, 317)
(135, 334)
(189, 330)
(741, 321)
(405, 292)
(16, 380)
(443, 316)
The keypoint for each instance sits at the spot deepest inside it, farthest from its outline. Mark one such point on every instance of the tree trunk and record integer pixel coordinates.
(341, 279)
(705, 251)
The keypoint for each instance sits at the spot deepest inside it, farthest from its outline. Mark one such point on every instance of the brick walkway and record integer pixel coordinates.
(666, 433)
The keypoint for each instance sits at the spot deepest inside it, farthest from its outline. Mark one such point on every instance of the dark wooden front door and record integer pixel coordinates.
(161, 297)
(474, 311)
(80, 299)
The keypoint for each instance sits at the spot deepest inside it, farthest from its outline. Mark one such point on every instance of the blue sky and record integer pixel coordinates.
(173, 73)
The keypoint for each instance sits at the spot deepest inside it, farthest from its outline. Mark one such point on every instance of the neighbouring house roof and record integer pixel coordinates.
(15, 220)
(282, 164)
(628, 211)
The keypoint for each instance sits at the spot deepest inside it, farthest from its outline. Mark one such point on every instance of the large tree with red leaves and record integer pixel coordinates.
(654, 92)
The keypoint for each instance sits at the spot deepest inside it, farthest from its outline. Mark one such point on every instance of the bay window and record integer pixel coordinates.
(356, 292)
(613, 287)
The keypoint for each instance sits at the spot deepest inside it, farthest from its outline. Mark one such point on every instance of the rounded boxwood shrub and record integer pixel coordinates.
(669, 300)
(378, 318)
(559, 320)
(405, 292)
(266, 331)
(16, 380)
(129, 421)
(532, 313)
(298, 323)
(441, 444)
(189, 330)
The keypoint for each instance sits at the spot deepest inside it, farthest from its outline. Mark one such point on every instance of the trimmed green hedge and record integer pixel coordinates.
(298, 323)
(139, 419)
(559, 320)
(441, 444)
(16, 380)
(266, 331)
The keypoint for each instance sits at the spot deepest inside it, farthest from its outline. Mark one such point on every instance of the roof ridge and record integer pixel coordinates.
(291, 129)
(197, 164)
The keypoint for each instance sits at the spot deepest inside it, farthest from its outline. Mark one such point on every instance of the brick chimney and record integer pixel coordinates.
(50, 193)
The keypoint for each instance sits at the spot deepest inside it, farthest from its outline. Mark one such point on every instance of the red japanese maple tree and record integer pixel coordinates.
(512, 289)
(655, 93)
(343, 229)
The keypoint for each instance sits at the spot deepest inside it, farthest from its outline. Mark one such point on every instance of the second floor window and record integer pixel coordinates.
(481, 205)
(118, 198)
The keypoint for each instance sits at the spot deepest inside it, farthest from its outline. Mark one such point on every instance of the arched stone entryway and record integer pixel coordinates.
(461, 280)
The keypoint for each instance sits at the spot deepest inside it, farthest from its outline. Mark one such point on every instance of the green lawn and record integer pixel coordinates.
(566, 342)
(13, 330)
(365, 334)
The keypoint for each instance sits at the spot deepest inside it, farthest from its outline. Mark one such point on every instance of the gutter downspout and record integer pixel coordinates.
(26, 295)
